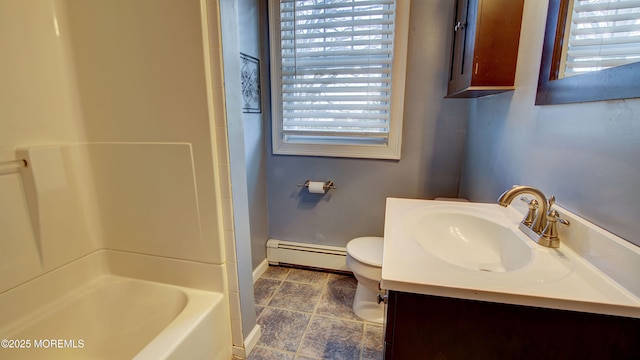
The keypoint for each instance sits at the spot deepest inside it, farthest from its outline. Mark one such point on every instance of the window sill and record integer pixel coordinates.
(386, 151)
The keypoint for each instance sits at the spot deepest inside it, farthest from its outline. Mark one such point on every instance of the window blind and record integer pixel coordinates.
(604, 33)
(336, 58)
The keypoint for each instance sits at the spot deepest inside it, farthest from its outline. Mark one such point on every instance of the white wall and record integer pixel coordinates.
(122, 86)
(36, 98)
(140, 73)
(584, 154)
(244, 318)
(37, 107)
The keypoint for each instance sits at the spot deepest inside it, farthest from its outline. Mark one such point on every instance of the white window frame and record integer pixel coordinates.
(392, 148)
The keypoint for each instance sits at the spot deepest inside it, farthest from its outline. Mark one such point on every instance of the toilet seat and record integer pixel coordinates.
(367, 250)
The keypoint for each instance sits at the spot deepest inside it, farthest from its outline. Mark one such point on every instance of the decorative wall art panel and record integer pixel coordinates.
(250, 75)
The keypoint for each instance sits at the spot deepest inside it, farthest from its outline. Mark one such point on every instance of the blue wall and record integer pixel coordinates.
(253, 126)
(433, 139)
(587, 155)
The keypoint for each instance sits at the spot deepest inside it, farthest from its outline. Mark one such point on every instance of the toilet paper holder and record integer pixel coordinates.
(327, 185)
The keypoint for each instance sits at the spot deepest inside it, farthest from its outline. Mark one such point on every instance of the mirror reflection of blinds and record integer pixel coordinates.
(604, 34)
(336, 70)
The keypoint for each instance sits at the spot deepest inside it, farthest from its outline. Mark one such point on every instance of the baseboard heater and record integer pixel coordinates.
(281, 252)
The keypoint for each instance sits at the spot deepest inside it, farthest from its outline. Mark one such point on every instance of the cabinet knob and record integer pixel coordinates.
(459, 26)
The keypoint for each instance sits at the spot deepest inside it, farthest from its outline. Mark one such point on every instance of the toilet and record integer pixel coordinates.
(364, 259)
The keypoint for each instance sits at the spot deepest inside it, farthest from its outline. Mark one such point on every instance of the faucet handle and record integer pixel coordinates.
(531, 214)
(550, 232)
(563, 221)
(554, 214)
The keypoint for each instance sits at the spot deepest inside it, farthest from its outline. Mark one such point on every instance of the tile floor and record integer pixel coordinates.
(306, 314)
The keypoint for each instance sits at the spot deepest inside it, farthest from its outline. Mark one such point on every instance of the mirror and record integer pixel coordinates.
(620, 82)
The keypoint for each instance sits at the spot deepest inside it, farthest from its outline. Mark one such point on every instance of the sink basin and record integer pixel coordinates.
(475, 251)
(468, 241)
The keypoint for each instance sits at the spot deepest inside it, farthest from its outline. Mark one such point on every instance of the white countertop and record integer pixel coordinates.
(555, 278)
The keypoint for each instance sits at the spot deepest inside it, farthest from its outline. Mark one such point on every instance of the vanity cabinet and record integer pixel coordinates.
(486, 34)
(432, 327)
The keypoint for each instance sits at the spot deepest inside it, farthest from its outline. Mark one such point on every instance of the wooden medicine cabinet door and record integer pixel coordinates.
(486, 34)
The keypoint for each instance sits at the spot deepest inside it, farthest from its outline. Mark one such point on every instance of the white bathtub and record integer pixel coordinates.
(113, 317)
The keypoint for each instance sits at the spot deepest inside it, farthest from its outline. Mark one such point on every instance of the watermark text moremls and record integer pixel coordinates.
(42, 343)
(58, 343)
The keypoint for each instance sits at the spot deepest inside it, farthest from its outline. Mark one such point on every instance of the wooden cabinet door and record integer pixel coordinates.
(486, 35)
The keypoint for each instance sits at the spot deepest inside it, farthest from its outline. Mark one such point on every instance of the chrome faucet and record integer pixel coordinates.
(540, 223)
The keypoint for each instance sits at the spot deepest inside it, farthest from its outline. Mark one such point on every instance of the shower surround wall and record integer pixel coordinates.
(131, 91)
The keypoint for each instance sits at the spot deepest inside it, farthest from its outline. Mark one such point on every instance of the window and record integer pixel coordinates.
(603, 34)
(338, 72)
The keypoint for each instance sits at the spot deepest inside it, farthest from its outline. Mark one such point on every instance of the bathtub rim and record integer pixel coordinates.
(33, 298)
(51, 286)
(199, 306)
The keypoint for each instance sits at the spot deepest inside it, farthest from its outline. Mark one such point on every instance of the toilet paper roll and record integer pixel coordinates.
(316, 187)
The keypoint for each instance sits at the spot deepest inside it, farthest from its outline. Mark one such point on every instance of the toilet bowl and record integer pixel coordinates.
(364, 259)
